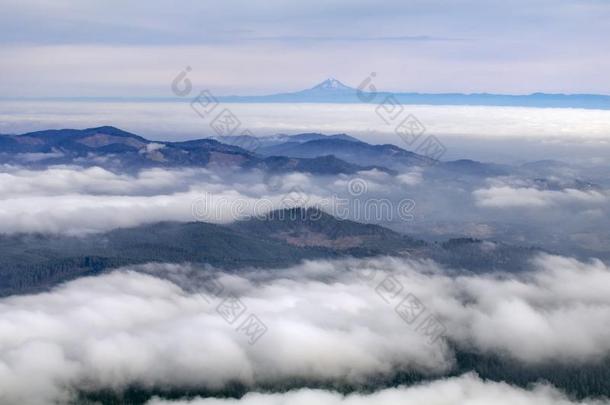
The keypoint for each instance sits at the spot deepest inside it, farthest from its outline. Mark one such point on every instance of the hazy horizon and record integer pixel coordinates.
(468, 46)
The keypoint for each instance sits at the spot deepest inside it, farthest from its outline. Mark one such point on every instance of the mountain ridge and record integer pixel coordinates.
(333, 91)
(115, 149)
(282, 238)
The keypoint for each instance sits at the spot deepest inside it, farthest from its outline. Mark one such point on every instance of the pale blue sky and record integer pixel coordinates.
(119, 48)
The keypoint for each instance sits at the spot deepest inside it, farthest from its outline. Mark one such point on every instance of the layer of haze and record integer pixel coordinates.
(498, 134)
(515, 209)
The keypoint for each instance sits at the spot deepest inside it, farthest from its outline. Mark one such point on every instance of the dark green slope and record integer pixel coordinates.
(32, 262)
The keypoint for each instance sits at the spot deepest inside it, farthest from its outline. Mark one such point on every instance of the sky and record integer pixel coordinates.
(116, 48)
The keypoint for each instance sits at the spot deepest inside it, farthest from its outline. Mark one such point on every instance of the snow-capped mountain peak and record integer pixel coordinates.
(331, 84)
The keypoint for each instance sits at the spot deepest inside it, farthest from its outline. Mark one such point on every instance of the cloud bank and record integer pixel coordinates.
(333, 321)
(509, 197)
(76, 200)
(465, 390)
(565, 216)
(177, 121)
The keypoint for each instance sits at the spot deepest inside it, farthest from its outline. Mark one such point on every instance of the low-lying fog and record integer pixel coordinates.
(500, 134)
(344, 321)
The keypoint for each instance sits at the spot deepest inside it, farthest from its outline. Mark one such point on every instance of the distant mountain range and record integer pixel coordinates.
(333, 91)
(341, 146)
(121, 151)
(117, 150)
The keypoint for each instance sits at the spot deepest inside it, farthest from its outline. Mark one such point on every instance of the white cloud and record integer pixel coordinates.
(62, 180)
(76, 200)
(411, 178)
(452, 124)
(151, 147)
(325, 322)
(464, 390)
(515, 197)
